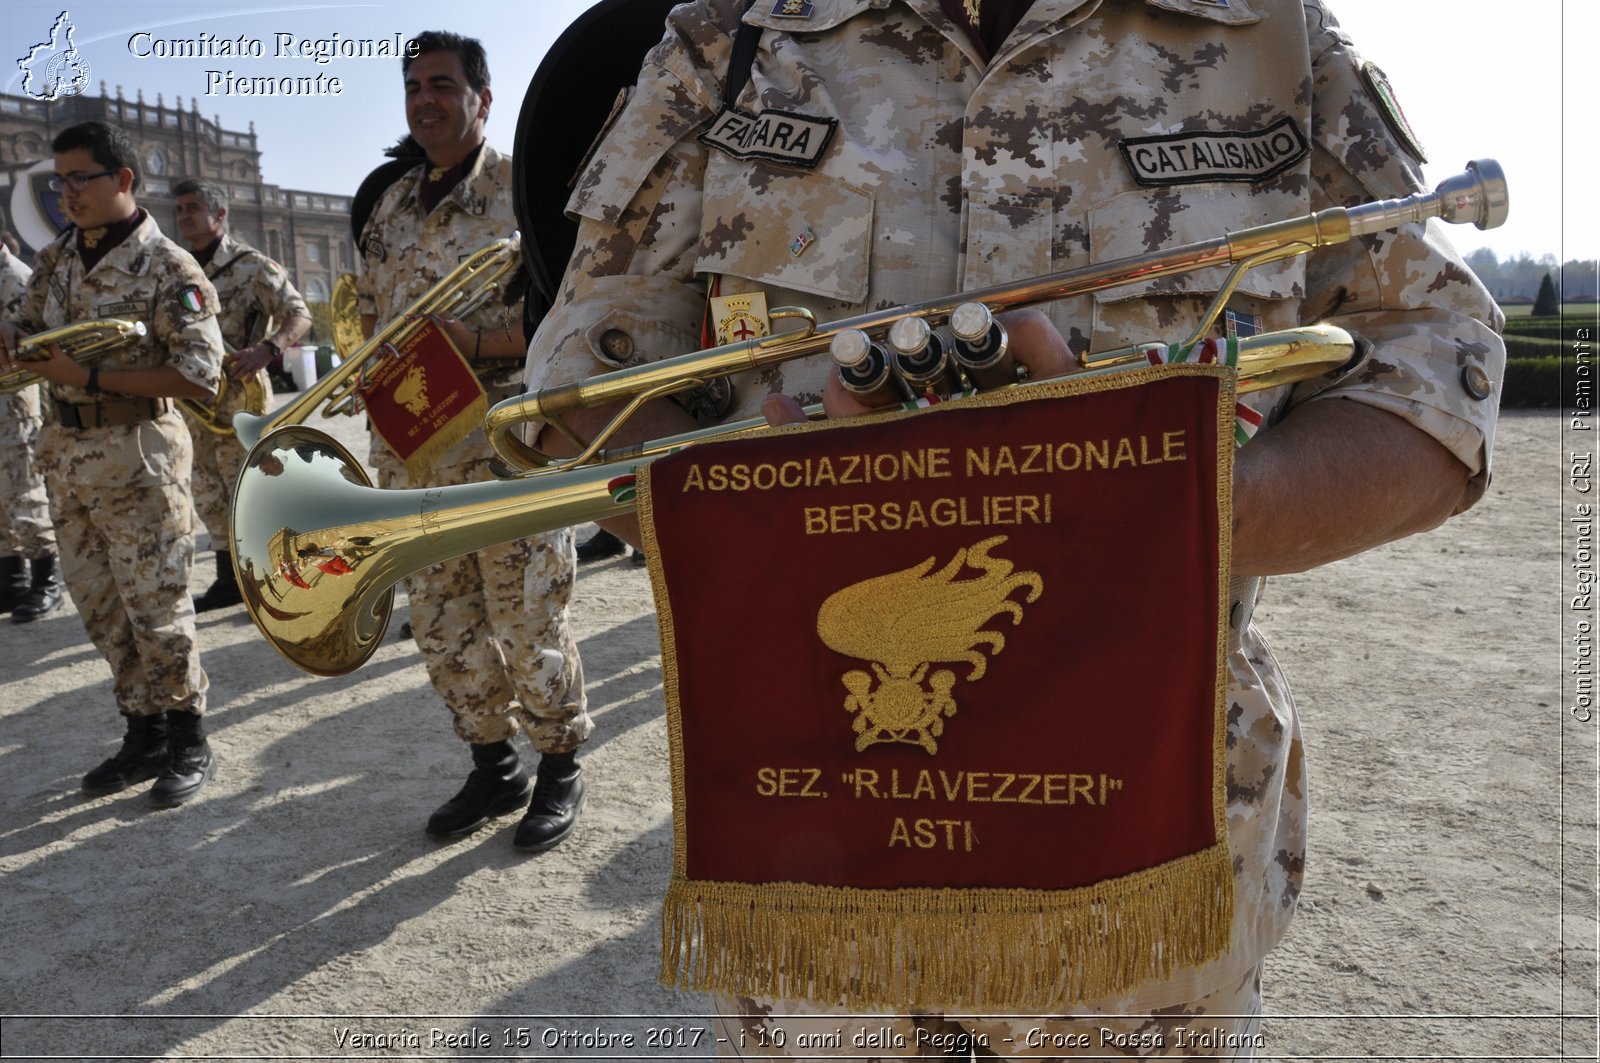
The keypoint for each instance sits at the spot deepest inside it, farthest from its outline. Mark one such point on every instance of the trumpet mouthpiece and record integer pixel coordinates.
(1477, 195)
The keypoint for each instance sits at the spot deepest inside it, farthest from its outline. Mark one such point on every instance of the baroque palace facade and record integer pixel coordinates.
(308, 232)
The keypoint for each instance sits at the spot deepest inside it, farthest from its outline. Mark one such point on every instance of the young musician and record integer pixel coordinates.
(117, 453)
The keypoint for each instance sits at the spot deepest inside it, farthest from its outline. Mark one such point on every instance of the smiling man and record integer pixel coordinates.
(492, 626)
(117, 454)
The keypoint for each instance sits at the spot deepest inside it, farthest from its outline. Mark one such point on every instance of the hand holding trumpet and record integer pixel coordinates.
(247, 362)
(1035, 345)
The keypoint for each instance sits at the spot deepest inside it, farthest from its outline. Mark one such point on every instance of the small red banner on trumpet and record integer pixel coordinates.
(424, 400)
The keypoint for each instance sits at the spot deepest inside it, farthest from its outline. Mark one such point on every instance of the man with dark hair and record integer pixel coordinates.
(260, 313)
(30, 572)
(107, 146)
(118, 455)
(468, 50)
(492, 626)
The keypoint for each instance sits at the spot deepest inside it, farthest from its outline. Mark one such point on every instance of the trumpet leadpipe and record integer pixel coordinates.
(1477, 196)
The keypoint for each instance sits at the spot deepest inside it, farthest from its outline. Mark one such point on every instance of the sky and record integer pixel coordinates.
(1473, 81)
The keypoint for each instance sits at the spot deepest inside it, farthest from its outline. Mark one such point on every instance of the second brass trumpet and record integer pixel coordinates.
(82, 341)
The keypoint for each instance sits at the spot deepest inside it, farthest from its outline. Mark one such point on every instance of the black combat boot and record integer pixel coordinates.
(224, 592)
(190, 763)
(599, 546)
(15, 582)
(498, 784)
(557, 800)
(45, 597)
(143, 756)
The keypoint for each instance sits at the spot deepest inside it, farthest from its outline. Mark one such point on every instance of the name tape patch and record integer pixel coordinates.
(1188, 158)
(777, 136)
(124, 306)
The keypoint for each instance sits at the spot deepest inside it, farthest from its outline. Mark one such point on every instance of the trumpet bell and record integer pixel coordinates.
(312, 590)
(317, 549)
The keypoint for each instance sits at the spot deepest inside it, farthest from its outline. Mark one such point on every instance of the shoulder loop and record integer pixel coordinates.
(744, 56)
(224, 267)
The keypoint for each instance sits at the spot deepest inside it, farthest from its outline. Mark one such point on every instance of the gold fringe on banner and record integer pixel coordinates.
(993, 950)
(453, 431)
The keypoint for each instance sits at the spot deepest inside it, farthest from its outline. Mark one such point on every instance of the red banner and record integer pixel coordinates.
(958, 670)
(424, 399)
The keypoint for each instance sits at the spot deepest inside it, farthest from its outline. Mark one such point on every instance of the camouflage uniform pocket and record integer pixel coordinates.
(1166, 308)
(781, 228)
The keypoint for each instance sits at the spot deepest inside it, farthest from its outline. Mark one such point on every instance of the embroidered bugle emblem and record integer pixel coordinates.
(412, 392)
(904, 623)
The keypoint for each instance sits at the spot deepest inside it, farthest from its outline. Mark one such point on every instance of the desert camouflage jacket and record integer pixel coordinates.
(146, 278)
(254, 296)
(403, 253)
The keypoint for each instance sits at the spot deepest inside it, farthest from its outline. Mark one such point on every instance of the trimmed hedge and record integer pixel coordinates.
(1550, 328)
(1522, 347)
(1535, 383)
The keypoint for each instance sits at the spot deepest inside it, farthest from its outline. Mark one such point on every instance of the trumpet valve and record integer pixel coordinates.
(854, 349)
(971, 323)
(865, 369)
(981, 346)
(910, 336)
(921, 357)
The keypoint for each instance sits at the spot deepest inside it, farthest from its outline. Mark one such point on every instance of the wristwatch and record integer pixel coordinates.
(276, 350)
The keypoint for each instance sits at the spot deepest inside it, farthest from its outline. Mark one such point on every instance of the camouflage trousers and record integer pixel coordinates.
(126, 554)
(494, 628)
(1221, 1025)
(25, 527)
(217, 459)
(494, 631)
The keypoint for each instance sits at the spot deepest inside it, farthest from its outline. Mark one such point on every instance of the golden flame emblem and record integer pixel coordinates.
(906, 621)
(412, 392)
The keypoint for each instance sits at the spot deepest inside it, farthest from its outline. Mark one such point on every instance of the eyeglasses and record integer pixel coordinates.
(77, 181)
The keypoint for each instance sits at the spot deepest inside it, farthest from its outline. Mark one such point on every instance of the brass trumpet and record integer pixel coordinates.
(1477, 195)
(317, 550)
(82, 341)
(466, 288)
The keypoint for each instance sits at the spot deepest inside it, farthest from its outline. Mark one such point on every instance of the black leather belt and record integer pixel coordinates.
(108, 412)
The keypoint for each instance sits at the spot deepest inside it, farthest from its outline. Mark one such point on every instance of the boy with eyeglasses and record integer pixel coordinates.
(117, 453)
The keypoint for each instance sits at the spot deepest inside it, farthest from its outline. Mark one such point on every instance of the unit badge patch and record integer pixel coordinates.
(190, 298)
(1190, 158)
(740, 317)
(777, 136)
(1378, 84)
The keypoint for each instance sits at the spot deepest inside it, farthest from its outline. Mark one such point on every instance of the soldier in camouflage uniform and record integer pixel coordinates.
(117, 454)
(927, 148)
(30, 575)
(260, 313)
(492, 626)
